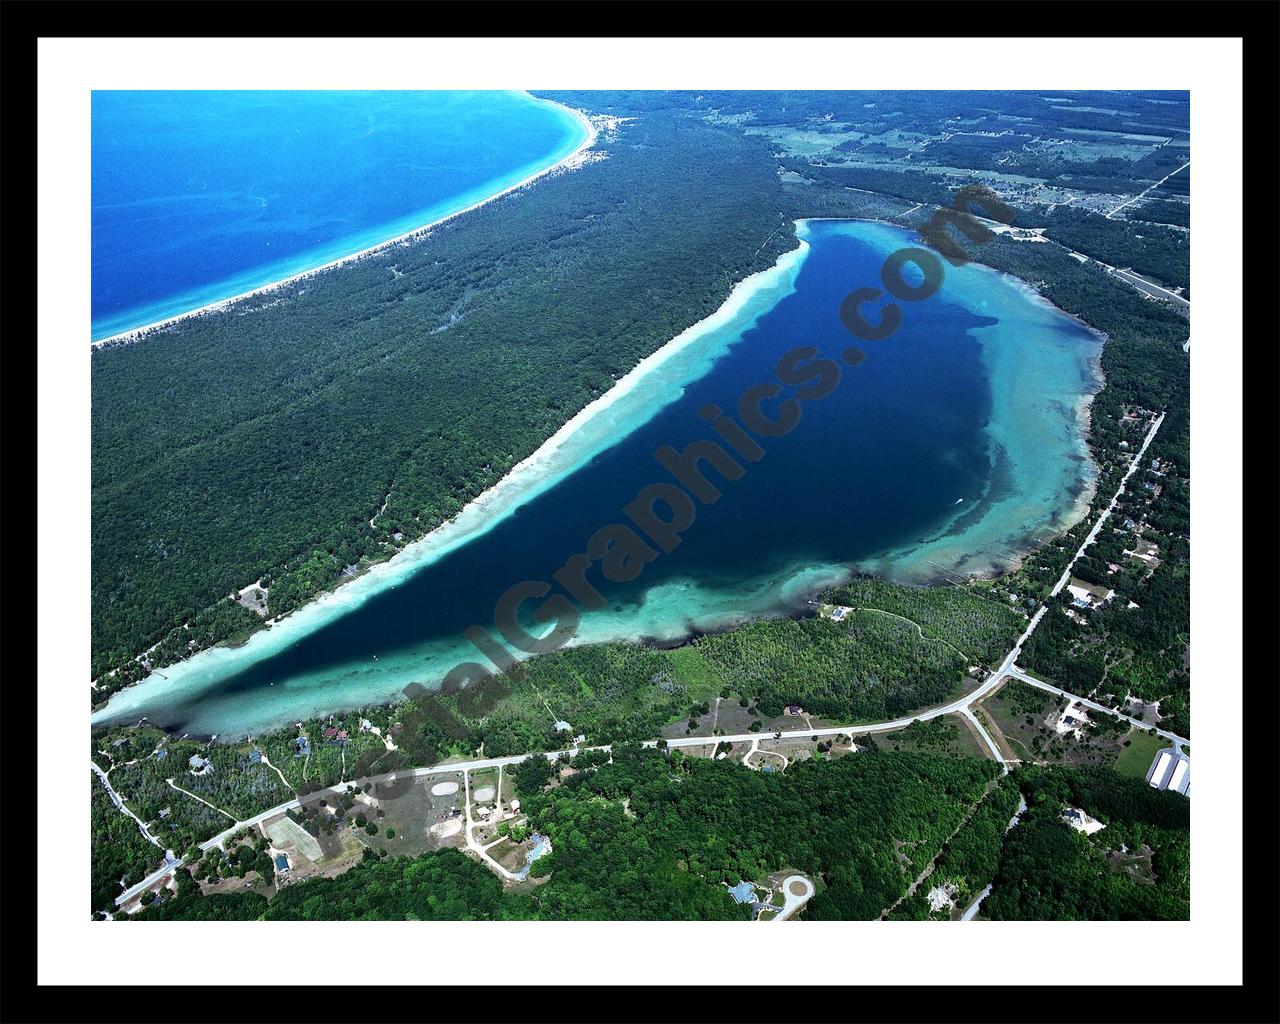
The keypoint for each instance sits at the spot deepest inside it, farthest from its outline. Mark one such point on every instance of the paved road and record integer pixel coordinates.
(791, 902)
(967, 711)
(1007, 670)
(972, 912)
(1150, 287)
(1172, 737)
(1097, 527)
(120, 804)
(1129, 202)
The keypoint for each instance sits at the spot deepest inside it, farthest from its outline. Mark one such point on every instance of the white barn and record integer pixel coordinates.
(1156, 778)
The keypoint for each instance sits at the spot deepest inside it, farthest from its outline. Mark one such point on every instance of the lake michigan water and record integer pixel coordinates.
(200, 196)
(957, 442)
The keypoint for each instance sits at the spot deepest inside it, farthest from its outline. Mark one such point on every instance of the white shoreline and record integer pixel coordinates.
(528, 478)
(136, 334)
(544, 468)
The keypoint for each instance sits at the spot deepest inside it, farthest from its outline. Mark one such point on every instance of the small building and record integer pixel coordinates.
(1074, 718)
(1146, 551)
(1088, 595)
(515, 805)
(196, 762)
(942, 897)
(282, 864)
(795, 710)
(1160, 769)
(743, 892)
(255, 756)
(563, 726)
(1082, 822)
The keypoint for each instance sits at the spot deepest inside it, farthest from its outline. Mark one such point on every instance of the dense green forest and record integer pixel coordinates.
(652, 835)
(121, 856)
(982, 630)
(441, 886)
(1041, 869)
(862, 826)
(866, 668)
(971, 857)
(872, 666)
(1137, 868)
(1149, 249)
(1163, 211)
(260, 442)
(279, 429)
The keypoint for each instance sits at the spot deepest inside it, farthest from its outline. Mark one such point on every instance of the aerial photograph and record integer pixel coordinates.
(749, 506)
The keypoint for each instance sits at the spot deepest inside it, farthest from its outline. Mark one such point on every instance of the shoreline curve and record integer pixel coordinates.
(556, 458)
(136, 334)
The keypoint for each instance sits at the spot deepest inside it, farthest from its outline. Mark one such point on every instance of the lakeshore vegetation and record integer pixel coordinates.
(326, 425)
(653, 834)
(299, 437)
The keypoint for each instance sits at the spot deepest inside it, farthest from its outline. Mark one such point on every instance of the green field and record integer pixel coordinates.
(974, 625)
(1136, 758)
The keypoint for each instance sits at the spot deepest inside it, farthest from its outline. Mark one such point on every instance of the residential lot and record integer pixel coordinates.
(1042, 728)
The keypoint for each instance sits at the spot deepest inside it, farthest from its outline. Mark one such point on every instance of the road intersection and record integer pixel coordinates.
(962, 705)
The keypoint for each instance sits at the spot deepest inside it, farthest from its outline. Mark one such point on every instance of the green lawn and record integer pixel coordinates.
(1136, 758)
(702, 679)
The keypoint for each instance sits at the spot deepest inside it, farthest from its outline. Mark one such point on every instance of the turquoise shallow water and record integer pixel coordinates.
(956, 443)
(201, 196)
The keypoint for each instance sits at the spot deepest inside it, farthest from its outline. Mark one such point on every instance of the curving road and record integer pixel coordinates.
(1007, 670)
(794, 901)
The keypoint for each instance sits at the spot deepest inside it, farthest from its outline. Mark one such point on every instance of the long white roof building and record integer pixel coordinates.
(1162, 767)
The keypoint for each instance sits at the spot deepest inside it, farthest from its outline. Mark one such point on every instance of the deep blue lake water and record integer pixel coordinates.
(200, 196)
(956, 440)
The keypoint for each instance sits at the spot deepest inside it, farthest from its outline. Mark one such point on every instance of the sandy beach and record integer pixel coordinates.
(673, 609)
(561, 454)
(569, 161)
